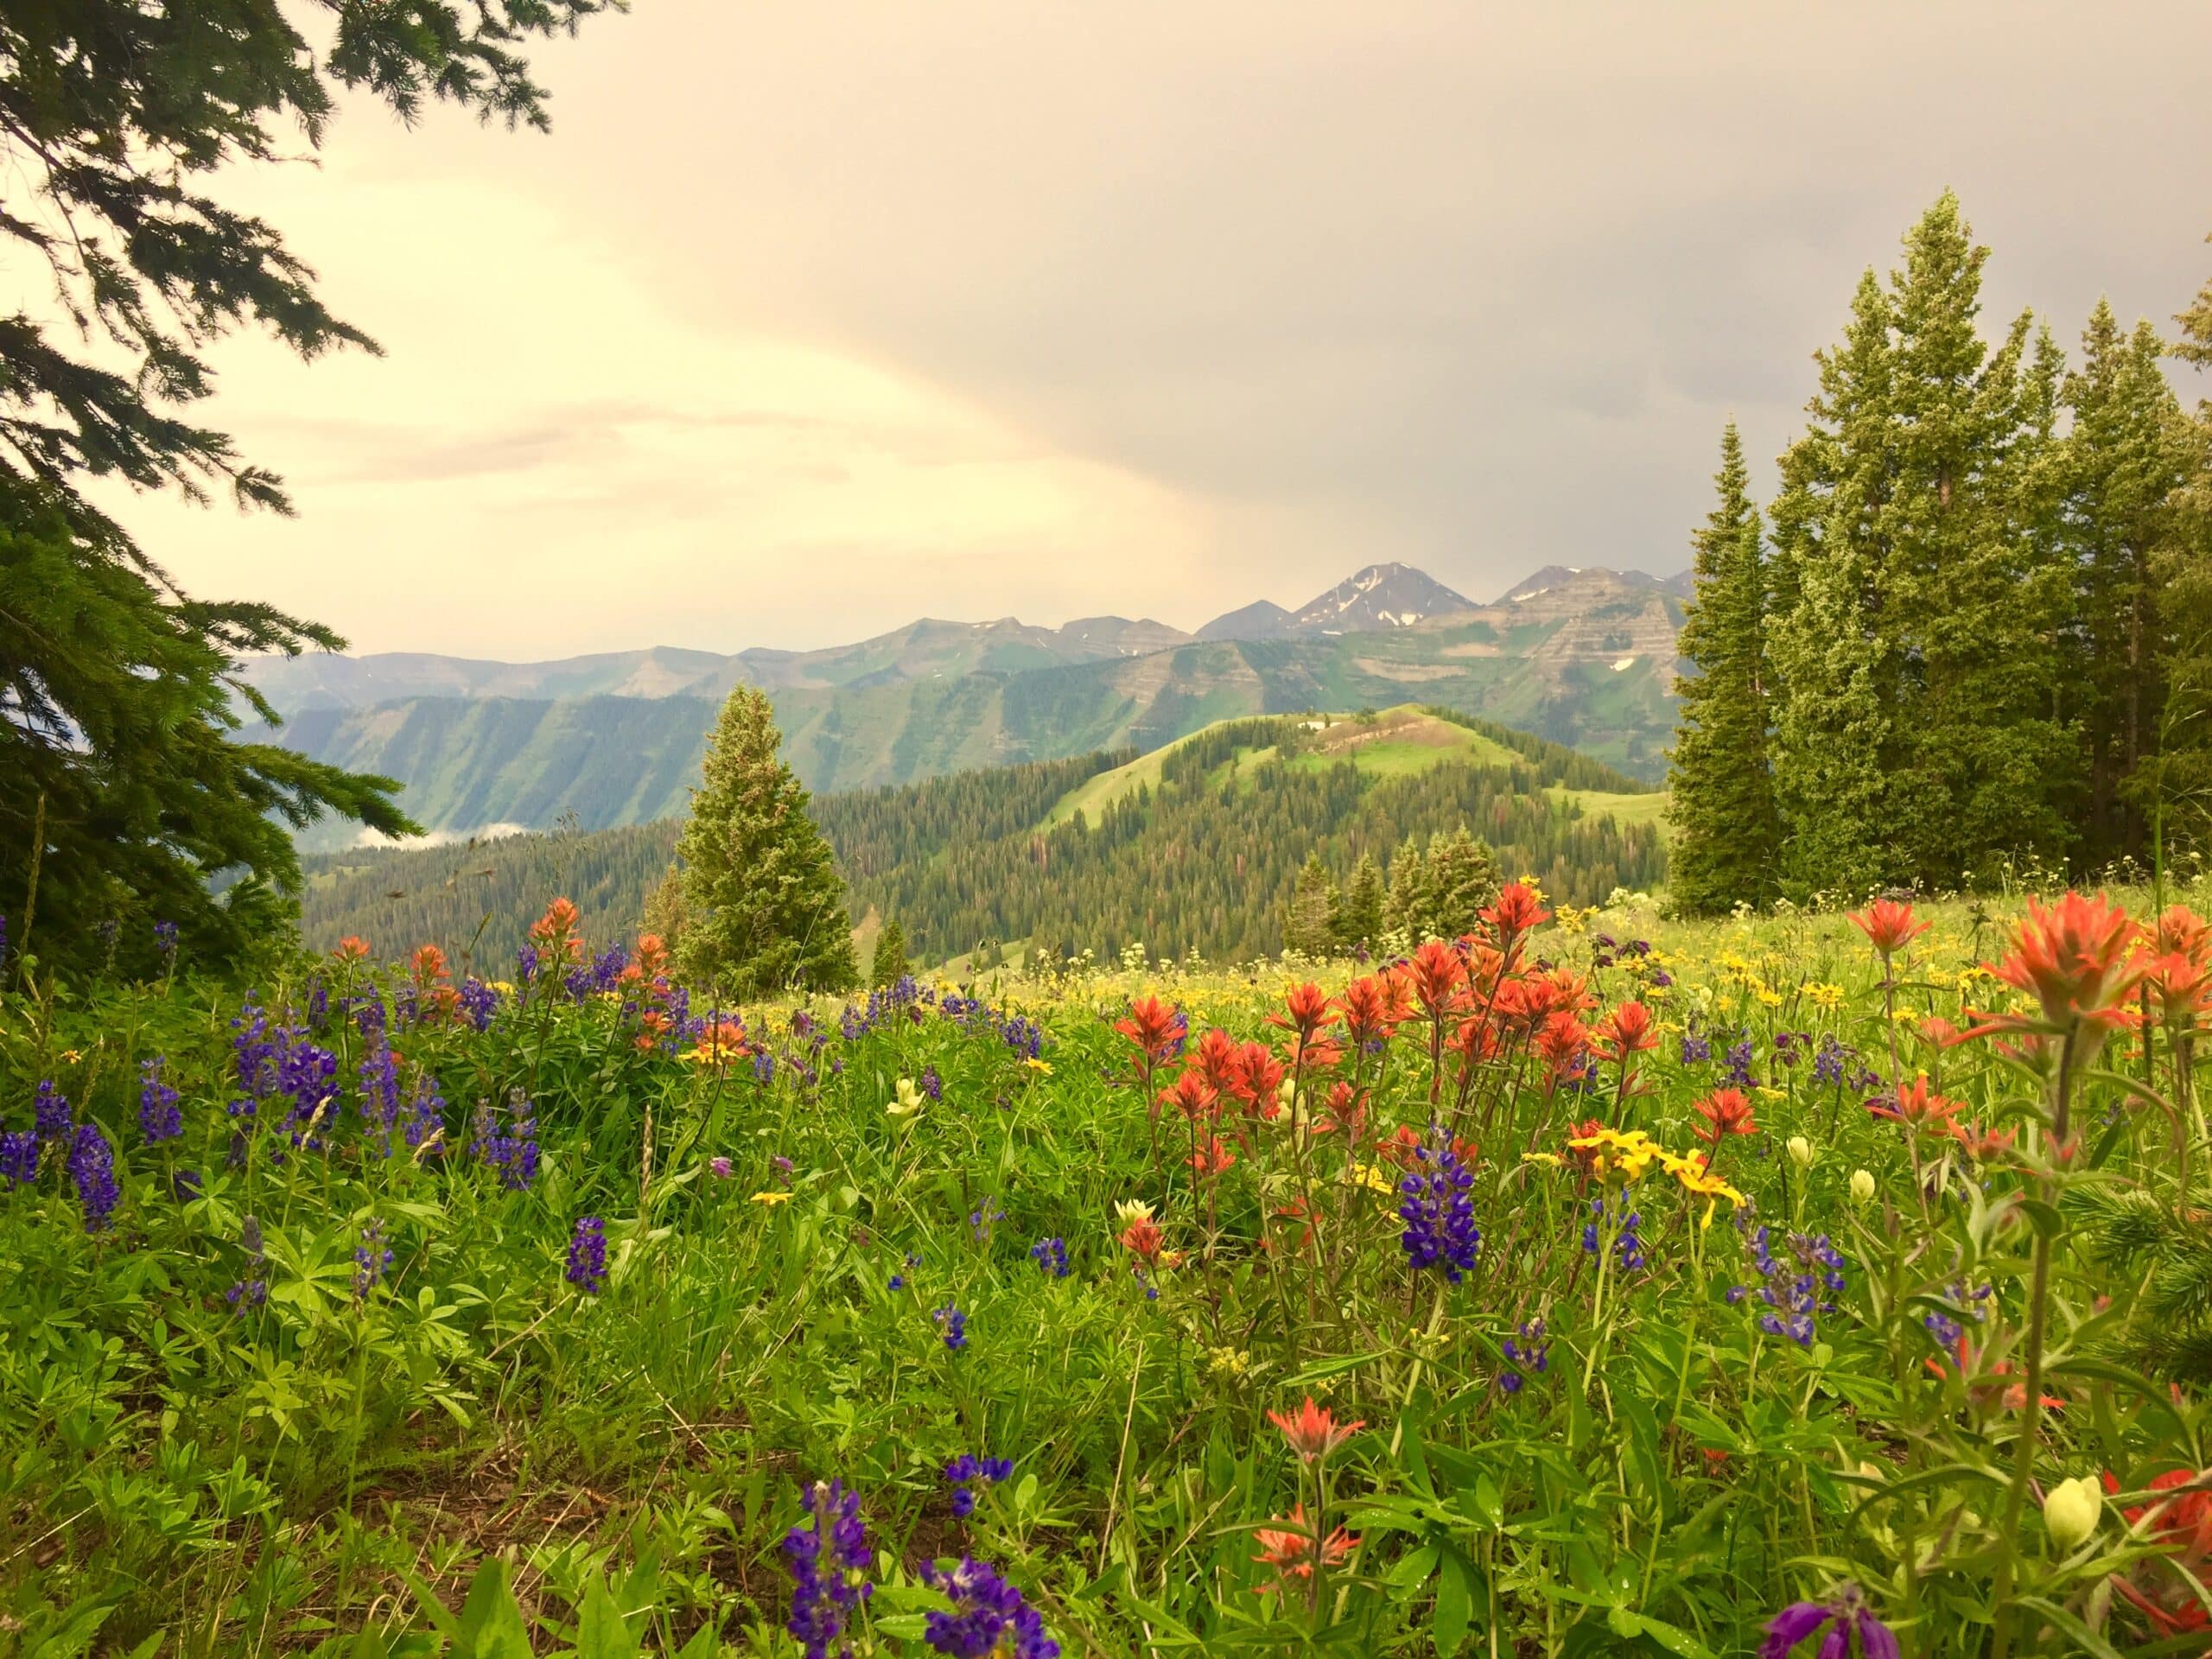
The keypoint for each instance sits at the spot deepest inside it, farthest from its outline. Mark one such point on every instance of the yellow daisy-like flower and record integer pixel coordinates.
(1373, 1178)
(1823, 995)
(771, 1199)
(504, 987)
(1770, 997)
(1548, 1160)
(70, 1056)
(1042, 1068)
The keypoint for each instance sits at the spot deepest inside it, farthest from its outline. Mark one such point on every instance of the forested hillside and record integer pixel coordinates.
(1199, 855)
(1588, 661)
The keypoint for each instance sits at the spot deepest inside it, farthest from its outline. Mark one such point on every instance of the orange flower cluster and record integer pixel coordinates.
(647, 977)
(2182, 1522)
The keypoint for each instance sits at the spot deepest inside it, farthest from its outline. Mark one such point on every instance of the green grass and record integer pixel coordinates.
(1398, 742)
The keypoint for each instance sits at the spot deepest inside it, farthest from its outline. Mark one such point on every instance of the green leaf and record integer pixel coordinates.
(1455, 1603)
(2089, 1640)
(602, 1633)
(491, 1620)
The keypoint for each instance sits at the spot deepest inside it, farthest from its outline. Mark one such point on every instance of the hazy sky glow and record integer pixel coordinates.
(809, 319)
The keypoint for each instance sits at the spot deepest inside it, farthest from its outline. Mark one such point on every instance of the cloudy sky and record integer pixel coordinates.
(808, 319)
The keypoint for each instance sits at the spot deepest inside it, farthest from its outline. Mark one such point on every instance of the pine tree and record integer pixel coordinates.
(2123, 464)
(764, 907)
(1405, 910)
(118, 782)
(1918, 591)
(1357, 922)
(1836, 670)
(1726, 835)
(1305, 921)
(2175, 793)
(664, 917)
(1462, 878)
(889, 965)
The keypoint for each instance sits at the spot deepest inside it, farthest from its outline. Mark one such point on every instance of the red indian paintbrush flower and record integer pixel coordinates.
(1725, 1111)
(2183, 985)
(1193, 1096)
(351, 948)
(2073, 959)
(1629, 1029)
(1919, 1111)
(1515, 910)
(1992, 1387)
(2182, 1522)
(2180, 930)
(1889, 925)
(1562, 1044)
(1154, 1026)
(1373, 1006)
(1313, 1431)
(1433, 974)
(1292, 1549)
(1212, 1158)
(1261, 1075)
(1142, 1239)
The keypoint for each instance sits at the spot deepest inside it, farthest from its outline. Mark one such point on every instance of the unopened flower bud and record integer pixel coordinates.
(2070, 1512)
(1801, 1151)
(1862, 1186)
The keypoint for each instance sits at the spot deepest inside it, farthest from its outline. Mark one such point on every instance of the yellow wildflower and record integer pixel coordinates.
(909, 1100)
(1823, 995)
(772, 1198)
(1042, 1068)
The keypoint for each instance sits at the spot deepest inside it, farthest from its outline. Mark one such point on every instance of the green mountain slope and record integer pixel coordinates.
(1197, 852)
(1592, 669)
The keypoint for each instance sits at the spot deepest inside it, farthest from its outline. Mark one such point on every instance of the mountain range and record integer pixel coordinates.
(1584, 657)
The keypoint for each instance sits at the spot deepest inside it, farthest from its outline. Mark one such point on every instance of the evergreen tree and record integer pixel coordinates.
(889, 965)
(2124, 462)
(119, 784)
(764, 907)
(1462, 878)
(2175, 794)
(663, 916)
(1357, 922)
(1835, 666)
(1727, 836)
(1305, 926)
(1405, 910)
(1917, 737)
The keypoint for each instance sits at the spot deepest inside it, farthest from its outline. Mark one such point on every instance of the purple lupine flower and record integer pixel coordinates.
(159, 1117)
(165, 940)
(1629, 1247)
(931, 1083)
(1440, 1216)
(372, 1260)
(587, 1256)
(1533, 1350)
(512, 1150)
(956, 1326)
(91, 1170)
(51, 1113)
(764, 1068)
(1740, 1064)
(251, 1290)
(1051, 1256)
(426, 1116)
(983, 1217)
(964, 1470)
(1843, 1615)
(989, 1617)
(478, 1001)
(380, 1093)
(19, 1156)
(829, 1562)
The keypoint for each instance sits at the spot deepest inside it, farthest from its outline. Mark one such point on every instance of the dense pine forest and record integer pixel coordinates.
(1202, 859)
(1972, 630)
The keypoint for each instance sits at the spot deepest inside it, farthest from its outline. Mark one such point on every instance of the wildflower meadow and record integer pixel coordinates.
(1829, 1282)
